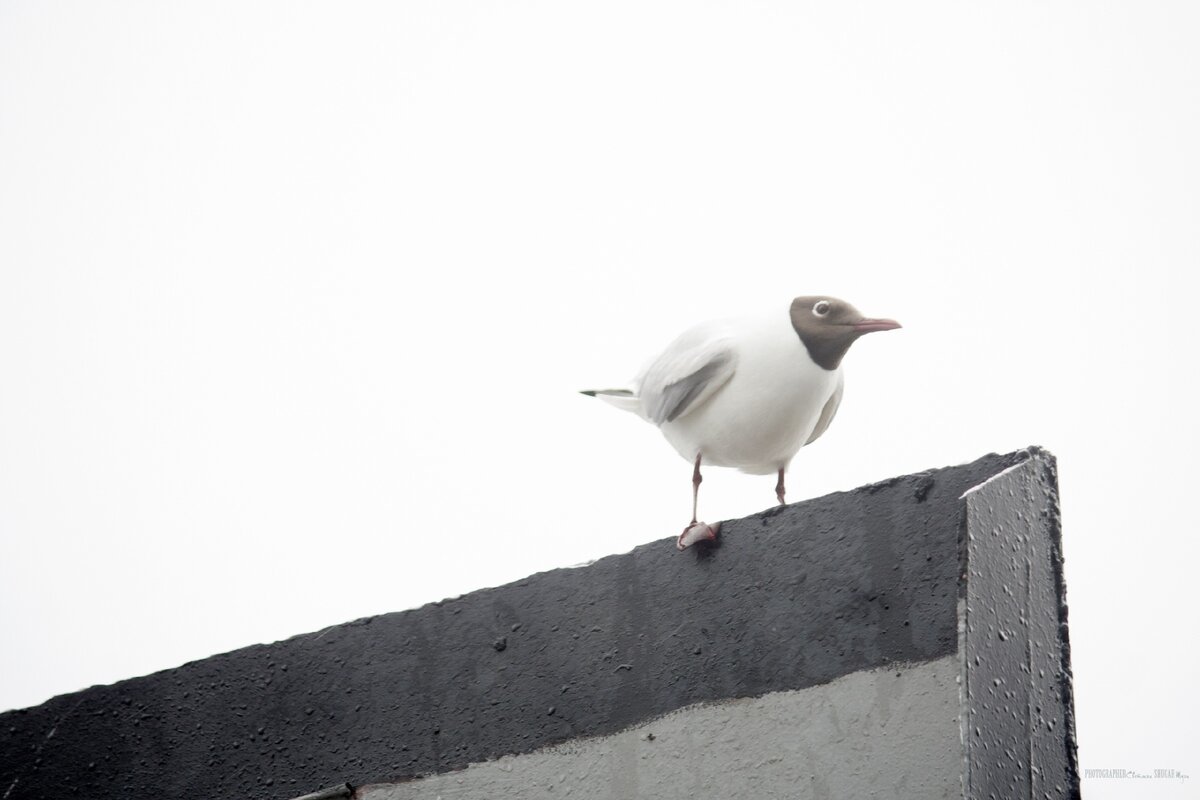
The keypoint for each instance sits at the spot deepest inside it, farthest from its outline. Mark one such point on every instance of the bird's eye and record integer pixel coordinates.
(821, 308)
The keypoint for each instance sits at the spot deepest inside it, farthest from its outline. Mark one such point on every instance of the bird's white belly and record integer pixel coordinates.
(764, 415)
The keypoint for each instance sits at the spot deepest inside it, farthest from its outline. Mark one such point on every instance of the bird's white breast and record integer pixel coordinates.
(768, 409)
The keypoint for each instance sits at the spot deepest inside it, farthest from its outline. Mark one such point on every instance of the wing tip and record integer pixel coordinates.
(607, 392)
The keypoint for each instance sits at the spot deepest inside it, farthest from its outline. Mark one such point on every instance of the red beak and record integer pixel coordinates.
(872, 325)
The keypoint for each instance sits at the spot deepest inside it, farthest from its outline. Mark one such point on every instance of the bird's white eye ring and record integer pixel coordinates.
(821, 308)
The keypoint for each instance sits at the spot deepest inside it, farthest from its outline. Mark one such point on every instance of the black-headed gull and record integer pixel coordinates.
(748, 393)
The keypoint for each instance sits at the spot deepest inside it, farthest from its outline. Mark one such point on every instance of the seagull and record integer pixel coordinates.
(748, 393)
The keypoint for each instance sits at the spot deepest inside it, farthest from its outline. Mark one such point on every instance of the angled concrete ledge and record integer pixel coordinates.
(906, 639)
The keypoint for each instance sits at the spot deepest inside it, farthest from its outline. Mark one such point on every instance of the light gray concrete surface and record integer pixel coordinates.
(887, 733)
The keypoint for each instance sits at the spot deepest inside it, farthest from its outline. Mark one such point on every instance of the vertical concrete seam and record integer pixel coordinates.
(964, 672)
(1029, 692)
(1052, 515)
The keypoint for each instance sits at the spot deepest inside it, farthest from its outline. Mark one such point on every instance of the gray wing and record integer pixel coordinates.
(828, 412)
(686, 374)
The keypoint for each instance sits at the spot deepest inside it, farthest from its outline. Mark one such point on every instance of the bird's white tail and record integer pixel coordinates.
(621, 398)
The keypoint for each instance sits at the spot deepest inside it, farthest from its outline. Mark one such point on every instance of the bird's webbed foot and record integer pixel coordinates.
(697, 532)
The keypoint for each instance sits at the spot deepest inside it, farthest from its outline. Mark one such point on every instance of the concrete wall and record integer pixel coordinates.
(907, 639)
(886, 733)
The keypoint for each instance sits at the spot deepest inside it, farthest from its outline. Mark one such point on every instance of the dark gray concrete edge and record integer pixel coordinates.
(1018, 720)
(792, 597)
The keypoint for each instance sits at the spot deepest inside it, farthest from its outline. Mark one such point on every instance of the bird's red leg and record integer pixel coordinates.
(779, 490)
(697, 531)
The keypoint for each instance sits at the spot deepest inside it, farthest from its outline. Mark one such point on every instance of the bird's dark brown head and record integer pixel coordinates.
(828, 327)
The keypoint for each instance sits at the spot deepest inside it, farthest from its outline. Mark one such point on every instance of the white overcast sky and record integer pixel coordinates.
(295, 299)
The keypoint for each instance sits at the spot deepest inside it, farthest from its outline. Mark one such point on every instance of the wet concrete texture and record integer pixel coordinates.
(1018, 713)
(792, 598)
